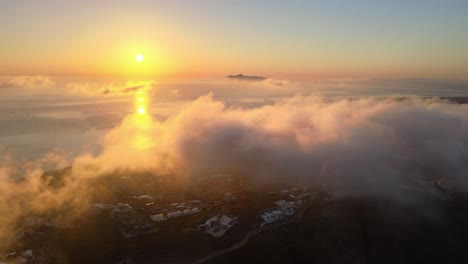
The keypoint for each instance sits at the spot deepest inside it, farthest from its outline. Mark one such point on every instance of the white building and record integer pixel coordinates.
(158, 217)
(218, 225)
(289, 208)
(187, 212)
(144, 196)
(227, 221)
(283, 210)
(161, 217)
(174, 214)
(272, 216)
(122, 208)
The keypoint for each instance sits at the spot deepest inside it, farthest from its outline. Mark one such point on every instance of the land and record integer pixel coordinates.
(309, 225)
(242, 77)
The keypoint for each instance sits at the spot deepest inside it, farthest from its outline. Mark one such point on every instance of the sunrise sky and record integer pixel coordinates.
(407, 39)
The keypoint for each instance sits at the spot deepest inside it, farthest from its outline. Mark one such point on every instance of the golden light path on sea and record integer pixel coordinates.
(143, 121)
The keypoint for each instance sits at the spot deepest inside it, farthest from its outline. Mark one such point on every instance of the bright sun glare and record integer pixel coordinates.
(139, 57)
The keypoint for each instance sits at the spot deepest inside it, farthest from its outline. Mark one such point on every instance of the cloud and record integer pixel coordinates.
(175, 92)
(371, 145)
(279, 82)
(15, 125)
(25, 81)
(24, 193)
(98, 89)
(379, 147)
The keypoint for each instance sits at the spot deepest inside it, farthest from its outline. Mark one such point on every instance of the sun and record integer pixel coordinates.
(139, 57)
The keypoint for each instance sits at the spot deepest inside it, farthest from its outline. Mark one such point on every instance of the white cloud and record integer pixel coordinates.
(377, 147)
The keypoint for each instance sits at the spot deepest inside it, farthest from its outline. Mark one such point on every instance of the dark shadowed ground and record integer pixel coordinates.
(364, 231)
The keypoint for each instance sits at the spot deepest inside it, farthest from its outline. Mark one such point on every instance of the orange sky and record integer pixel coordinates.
(215, 39)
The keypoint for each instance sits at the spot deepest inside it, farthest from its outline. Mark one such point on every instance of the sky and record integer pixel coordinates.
(389, 39)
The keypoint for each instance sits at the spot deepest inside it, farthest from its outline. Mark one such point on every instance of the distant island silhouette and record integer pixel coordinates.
(246, 77)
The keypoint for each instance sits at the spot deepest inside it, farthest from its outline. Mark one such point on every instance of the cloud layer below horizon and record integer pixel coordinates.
(368, 146)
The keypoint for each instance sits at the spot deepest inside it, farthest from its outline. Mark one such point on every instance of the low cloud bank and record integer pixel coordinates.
(98, 88)
(371, 146)
(26, 81)
(22, 84)
(378, 147)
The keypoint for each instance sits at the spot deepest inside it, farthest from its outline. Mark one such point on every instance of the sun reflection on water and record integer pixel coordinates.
(143, 122)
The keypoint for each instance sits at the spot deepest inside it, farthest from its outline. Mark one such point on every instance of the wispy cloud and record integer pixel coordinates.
(27, 81)
(97, 88)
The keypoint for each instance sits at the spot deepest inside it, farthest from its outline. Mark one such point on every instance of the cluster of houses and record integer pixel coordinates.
(178, 210)
(218, 225)
(215, 226)
(283, 210)
(117, 210)
(122, 210)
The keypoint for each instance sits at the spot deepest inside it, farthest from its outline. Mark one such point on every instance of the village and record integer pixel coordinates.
(132, 224)
(235, 205)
